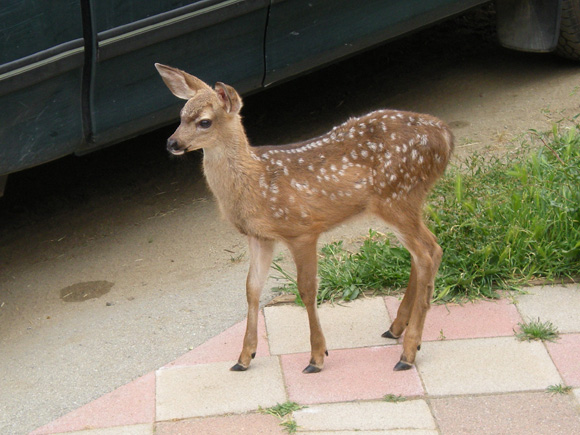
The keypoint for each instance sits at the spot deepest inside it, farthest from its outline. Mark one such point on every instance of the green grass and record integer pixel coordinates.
(558, 389)
(501, 222)
(393, 398)
(283, 411)
(289, 426)
(537, 330)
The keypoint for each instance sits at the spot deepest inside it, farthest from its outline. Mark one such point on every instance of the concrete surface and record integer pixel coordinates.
(467, 384)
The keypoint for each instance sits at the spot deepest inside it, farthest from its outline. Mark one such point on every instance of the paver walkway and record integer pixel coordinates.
(472, 376)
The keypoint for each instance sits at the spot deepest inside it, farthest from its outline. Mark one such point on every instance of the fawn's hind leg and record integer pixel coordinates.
(425, 259)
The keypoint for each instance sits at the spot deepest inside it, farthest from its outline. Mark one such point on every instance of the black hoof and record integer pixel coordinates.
(419, 347)
(238, 368)
(389, 334)
(326, 352)
(311, 369)
(254, 355)
(401, 365)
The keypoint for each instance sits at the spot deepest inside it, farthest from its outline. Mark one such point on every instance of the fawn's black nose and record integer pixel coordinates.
(173, 147)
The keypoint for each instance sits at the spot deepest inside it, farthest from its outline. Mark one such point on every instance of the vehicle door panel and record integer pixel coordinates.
(215, 40)
(305, 34)
(41, 59)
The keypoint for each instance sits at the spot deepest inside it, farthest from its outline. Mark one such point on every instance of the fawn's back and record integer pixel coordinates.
(386, 158)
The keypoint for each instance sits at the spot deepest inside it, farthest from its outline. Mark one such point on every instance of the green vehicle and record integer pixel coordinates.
(78, 75)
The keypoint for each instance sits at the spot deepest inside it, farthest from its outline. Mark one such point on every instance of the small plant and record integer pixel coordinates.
(537, 330)
(237, 258)
(290, 426)
(441, 335)
(283, 411)
(394, 398)
(558, 389)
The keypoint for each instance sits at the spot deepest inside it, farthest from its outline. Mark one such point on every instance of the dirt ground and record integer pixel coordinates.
(116, 263)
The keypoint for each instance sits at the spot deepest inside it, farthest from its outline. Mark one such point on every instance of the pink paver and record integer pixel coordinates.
(513, 414)
(225, 346)
(471, 320)
(130, 404)
(233, 424)
(350, 374)
(565, 353)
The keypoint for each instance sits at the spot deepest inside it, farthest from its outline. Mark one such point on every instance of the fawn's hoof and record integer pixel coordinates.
(402, 365)
(311, 369)
(238, 368)
(389, 334)
(419, 347)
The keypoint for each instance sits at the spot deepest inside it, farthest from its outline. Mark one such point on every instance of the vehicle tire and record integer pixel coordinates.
(569, 41)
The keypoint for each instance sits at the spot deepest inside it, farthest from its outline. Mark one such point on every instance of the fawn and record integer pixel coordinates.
(384, 163)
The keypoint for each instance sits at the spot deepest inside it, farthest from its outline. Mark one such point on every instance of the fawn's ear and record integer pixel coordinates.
(229, 98)
(180, 83)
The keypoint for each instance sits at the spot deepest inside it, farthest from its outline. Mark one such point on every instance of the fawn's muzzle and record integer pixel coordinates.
(173, 147)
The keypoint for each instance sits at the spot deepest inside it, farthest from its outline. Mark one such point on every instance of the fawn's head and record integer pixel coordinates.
(210, 116)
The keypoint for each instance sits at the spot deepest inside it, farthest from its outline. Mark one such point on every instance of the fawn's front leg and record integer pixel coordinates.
(304, 252)
(261, 252)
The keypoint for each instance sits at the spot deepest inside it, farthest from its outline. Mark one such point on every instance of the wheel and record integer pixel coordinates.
(569, 41)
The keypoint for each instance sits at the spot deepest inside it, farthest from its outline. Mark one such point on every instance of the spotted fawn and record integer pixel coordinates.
(384, 163)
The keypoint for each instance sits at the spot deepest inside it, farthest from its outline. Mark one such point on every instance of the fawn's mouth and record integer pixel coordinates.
(177, 152)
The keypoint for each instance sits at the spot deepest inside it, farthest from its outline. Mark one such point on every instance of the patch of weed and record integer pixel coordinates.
(289, 426)
(558, 389)
(394, 398)
(537, 330)
(283, 411)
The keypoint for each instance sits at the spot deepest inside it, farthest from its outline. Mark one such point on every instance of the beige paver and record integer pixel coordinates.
(212, 389)
(557, 304)
(359, 323)
(485, 365)
(576, 393)
(361, 416)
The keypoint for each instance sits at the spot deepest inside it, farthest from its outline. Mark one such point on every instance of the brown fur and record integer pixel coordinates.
(384, 162)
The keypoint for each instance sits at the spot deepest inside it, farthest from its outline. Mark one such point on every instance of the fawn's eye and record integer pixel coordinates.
(204, 123)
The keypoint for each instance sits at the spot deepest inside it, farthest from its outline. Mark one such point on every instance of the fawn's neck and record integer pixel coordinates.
(230, 170)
